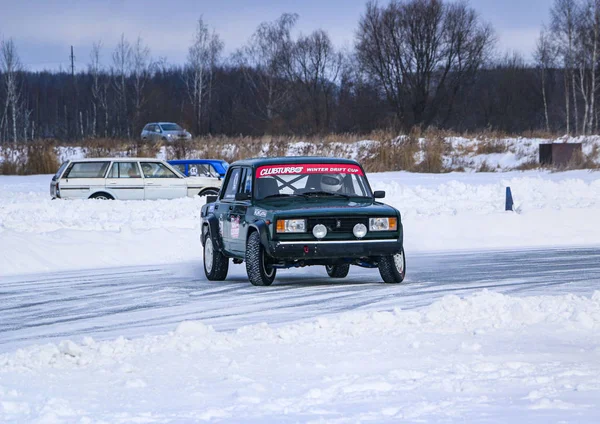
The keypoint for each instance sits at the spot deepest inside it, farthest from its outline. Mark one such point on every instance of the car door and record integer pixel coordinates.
(230, 231)
(238, 214)
(125, 181)
(160, 182)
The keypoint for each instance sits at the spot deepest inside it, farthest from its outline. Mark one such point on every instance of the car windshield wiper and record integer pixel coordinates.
(324, 193)
(270, 196)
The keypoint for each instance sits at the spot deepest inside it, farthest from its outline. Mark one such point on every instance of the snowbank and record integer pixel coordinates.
(484, 358)
(440, 212)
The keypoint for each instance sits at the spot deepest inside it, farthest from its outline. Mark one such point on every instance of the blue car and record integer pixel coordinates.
(201, 167)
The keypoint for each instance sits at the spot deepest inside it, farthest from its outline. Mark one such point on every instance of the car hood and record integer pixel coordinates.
(332, 207)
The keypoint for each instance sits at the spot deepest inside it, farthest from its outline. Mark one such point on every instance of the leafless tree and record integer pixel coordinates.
(315, 66)
(263, 62)
(141, 72)
(120, 71)
(95, 69)
(422, 52)
(10, 66)
(563, 26)
(203, 55)
(544, 55)
(586, 44)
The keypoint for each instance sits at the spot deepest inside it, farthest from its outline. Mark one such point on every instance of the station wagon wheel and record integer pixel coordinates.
(209, 192)
(216, 265)
(260, 272)
(101, 196)
(393, 268)
(338, 271)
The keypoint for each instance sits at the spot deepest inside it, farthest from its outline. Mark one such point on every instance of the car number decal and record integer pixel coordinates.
(260, 213)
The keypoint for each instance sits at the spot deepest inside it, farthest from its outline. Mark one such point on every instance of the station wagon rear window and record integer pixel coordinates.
(87, 170)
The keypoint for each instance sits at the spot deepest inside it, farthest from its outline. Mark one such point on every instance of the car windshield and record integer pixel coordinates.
(311, 180)
(171, 127)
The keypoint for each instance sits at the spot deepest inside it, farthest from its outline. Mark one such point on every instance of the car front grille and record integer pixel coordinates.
(337, 225)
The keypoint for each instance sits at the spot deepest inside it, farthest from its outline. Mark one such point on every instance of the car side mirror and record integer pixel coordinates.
(380, 194)
(242, 196)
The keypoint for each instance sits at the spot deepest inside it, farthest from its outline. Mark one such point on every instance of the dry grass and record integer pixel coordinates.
(490, 146)
(29, 159)
(383, 150)
(529, 165)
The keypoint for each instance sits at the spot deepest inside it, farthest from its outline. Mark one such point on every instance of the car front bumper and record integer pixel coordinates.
(342, 249)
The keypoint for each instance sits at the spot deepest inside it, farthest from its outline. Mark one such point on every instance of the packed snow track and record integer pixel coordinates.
(134, 301)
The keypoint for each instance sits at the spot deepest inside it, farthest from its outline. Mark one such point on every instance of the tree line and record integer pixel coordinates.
(414, 63)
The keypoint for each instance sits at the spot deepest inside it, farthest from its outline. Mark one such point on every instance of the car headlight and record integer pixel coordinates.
(383, 224)
(291, 225)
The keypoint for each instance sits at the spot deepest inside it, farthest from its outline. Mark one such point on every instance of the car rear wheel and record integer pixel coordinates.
(393, 268)
(216, 264)
(260, 272)
(101, 196)
(338, 271)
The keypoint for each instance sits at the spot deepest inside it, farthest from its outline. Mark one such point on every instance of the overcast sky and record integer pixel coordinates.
(44, 30)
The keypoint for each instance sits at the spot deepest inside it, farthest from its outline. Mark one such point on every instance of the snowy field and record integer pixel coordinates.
(498, 320)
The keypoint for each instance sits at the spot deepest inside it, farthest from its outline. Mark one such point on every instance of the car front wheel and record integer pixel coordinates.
(216, 264)
(338, 271)
(393, 268)
(260, 272)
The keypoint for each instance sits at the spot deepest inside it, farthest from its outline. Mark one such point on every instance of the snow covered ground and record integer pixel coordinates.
(440, 213)
(485, 356)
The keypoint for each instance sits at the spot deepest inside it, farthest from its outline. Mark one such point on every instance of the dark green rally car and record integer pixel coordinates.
(298, 211)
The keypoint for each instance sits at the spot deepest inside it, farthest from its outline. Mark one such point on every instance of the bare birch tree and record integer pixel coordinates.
(544, 56)
(141, 72)
(95, 68)
(10, 66)
(263, 61)
(202, 58)
(563, 26)
(121, 68)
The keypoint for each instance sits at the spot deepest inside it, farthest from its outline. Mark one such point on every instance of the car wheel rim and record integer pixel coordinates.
(101, 197)
(329, 268)
(208, 255)
(399, 262)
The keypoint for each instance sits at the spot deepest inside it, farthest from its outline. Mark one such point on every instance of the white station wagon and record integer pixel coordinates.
(127, 179)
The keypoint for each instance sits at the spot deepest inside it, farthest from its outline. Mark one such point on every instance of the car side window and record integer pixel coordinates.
(87, 170)
(233, 183)
(246, 186)
(124, 170)
(157, 170)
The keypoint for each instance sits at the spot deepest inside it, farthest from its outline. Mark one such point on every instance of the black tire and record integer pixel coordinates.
(216, 264)
(393, 268)
(209, 192)
(102, 196)
(337, 271)
(260, 273)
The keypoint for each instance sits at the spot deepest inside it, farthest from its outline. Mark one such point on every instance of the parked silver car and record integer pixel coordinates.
(165, 131)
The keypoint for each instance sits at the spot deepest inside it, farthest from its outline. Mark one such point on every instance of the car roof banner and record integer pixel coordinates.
(307, 169)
